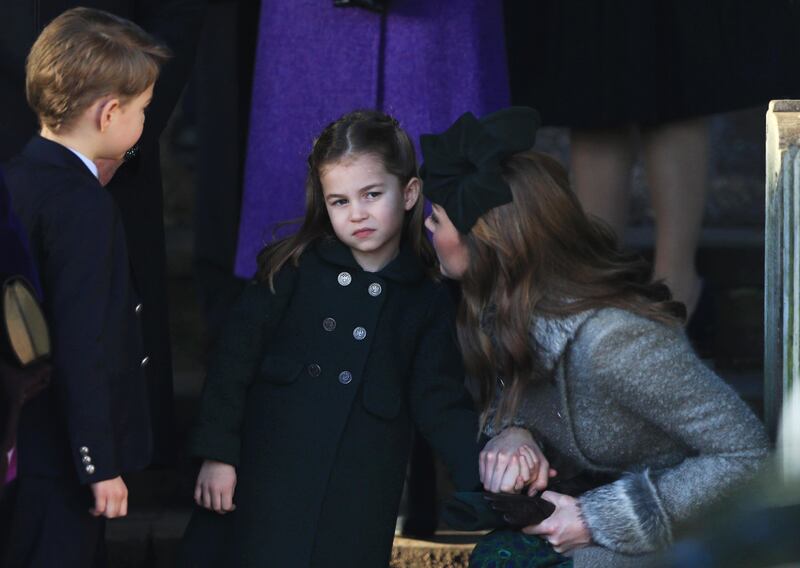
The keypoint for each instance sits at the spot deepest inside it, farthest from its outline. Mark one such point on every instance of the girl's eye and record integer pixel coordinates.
(373, 194)
(339, 202)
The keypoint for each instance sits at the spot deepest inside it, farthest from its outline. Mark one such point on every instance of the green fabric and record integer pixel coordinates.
(512, 549)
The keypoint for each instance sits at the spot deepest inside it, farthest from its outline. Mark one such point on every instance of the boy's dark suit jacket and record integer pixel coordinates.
(136, 186)
(92, 423)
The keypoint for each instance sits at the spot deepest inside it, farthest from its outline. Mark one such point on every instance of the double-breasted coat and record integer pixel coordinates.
(312, 394)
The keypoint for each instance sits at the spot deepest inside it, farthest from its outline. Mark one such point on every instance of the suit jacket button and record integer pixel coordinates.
(359, 333)
(375, 289)
(90, 469)
(314, 370)
(83, 450)
(86, 460)
(138, 309)
(345, 377)
(344, 278)
(145, 361)
(329, 324)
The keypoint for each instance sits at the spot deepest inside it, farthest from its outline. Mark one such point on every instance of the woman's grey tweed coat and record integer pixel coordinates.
(634, 399)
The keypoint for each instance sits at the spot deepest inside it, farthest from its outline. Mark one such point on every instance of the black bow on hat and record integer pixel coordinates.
(462, 166)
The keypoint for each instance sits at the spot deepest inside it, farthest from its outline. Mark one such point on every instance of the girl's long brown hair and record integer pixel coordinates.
(541, 254)
(358, 133)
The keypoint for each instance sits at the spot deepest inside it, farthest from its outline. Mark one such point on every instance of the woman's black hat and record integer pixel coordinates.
(462, 166)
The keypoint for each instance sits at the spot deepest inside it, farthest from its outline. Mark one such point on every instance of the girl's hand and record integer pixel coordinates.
(565, 529)
(214, 488)
(511, 460)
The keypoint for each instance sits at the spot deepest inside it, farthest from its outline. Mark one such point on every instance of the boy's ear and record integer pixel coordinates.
(411, 193)
(106, 111)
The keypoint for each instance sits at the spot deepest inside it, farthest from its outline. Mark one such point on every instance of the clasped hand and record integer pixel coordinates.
(512, 460)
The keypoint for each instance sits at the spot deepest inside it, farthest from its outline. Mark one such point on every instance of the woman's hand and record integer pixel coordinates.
(511, 460)
(565, 529)
(214, 488)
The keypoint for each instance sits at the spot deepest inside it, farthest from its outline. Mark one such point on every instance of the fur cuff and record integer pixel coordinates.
(626, 516)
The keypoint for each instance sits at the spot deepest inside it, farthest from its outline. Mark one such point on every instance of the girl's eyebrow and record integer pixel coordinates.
(370, 186)
(362, 190)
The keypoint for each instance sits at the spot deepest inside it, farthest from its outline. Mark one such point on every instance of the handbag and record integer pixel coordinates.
(25, 337)
(478, 510)
(24, 346)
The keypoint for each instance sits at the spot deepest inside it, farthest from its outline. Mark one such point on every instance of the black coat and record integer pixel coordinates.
(312, 395)
(92, 422)
(136, 186)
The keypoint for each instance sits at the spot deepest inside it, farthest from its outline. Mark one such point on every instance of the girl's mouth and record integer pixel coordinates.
(363, 233)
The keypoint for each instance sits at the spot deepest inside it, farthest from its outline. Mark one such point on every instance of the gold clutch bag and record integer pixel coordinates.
(26, 337)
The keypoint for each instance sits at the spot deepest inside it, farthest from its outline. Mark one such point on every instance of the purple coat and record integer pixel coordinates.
(425, 63)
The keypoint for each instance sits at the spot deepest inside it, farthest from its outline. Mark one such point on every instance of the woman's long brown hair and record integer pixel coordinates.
(541, 254)
(358, 133)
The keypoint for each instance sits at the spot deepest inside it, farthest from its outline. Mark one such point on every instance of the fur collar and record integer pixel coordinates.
(552, 334)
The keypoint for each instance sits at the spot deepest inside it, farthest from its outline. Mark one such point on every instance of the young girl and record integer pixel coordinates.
(567, 337)
(343, 342)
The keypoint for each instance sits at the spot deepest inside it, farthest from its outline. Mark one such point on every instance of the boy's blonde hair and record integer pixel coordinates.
(83, 55)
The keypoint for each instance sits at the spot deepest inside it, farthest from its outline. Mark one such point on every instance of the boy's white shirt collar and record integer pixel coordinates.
(89, 164)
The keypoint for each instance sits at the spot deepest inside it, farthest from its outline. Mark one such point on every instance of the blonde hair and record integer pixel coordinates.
(83, 55)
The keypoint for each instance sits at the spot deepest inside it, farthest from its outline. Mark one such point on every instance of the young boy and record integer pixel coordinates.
(89, 78)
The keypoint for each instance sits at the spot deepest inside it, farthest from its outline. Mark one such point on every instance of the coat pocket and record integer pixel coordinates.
(280, 370)
(384, 395)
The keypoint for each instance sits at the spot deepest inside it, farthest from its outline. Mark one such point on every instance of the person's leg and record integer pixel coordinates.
(601, 162)
(51, 526)
(676, 159)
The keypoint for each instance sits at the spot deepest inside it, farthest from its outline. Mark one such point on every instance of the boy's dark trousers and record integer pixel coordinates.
(46, 522)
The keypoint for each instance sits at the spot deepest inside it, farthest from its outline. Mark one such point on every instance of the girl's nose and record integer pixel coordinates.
(358, 212)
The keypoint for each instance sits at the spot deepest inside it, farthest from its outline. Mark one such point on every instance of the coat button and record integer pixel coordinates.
(86, 460)
(375, 289)
(138, 309)
(145, 362)
(359, 333)
(329, 324)
(90, 469)
(83, 450)
(314, 370)
(344, 278)
(345, 377)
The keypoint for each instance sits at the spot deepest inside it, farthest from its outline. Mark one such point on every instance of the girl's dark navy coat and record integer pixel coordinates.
(312, 394)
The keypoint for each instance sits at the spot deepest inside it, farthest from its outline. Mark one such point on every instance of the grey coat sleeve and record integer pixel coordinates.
(651, 371)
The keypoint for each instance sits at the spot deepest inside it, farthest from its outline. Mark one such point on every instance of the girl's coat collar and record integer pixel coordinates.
(405, 267)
